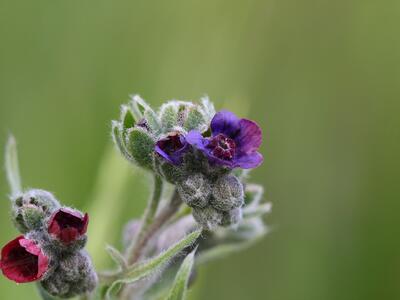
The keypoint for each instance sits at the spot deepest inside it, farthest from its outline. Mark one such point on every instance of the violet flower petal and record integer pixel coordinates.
(248, 161)
(195, 139)
(225, 122)
(250, 136)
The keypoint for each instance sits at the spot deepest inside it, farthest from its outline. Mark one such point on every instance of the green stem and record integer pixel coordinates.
(134, 250)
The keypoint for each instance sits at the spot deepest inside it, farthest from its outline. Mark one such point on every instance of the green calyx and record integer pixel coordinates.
(32, 208)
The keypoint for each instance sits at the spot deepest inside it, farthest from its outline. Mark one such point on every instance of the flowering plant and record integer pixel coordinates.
(213, 210)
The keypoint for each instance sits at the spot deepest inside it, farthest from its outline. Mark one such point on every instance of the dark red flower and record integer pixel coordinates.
(67, 225)
(172, 147)
(22, 260)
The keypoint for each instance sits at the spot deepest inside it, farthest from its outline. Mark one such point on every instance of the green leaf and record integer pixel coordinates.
(149, 267)
(169, 116)
(208, 108)
(180, 285)
(11, 164)
(140, 110)
(117, 257)
(153, 121)
(195, 120)
(140, 145)
(117, 134)
(138, 106)
(127, 118)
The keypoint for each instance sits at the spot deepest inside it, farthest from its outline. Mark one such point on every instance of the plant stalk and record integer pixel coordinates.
(134, 249)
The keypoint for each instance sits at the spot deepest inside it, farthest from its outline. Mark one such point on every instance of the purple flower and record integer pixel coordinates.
(234, 142)
(172, 147)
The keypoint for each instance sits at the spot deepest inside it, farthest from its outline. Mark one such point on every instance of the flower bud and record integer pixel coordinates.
(195, 191)
(30, 209)
(207, 217)
(68, 227)
(227, 193)
(169, 116)
(181, 114)
(73, 276)
(140, 145)
(22, 260)
(232, 217)
(168, 171)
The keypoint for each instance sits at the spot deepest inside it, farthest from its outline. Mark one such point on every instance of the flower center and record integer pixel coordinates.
(222, 146)
(171, 143)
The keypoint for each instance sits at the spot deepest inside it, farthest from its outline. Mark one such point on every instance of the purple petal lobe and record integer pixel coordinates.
(195, 139)
(249, 161)
(225, 122)
(250, 136)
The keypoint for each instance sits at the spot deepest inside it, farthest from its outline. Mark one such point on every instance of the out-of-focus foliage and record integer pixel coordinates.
(320, 77)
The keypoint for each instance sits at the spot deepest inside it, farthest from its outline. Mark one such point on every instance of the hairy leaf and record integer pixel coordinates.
(127, 118)
(180, 285)
(12, 169)
(117, 134)
(169, 115)
(141, 146)
(151, 266)
(117, 257)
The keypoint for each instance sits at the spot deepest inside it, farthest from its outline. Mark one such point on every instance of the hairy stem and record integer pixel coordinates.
(161, 219)
(165, 214)
(134, 248)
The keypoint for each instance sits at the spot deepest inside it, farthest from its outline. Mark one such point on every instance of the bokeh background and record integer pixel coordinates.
(321, 77)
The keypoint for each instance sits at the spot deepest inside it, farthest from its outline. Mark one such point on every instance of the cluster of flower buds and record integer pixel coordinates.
(195, 148)
(50, 249)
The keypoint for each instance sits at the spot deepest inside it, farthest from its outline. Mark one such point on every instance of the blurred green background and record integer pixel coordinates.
(321, 77)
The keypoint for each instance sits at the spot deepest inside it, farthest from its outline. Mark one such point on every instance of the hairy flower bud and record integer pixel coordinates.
(168, 171)
(195, 191)
(140, 145)
(68, 227)
(73, 276)
(31, 208)
(22, 260)
(227, 193)
(207, 217)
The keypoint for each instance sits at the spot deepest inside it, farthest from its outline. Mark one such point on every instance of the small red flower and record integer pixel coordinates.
(22, 260)
(68, 225)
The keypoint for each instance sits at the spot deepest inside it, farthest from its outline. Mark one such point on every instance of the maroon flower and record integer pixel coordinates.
(172, 147)
(234, 142)
(22, 260)
(67, 225)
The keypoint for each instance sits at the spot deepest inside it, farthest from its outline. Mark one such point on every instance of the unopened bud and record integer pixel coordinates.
(30, 209)
(227, 193)
(195, 191)
(73, 276)
(207, 217)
